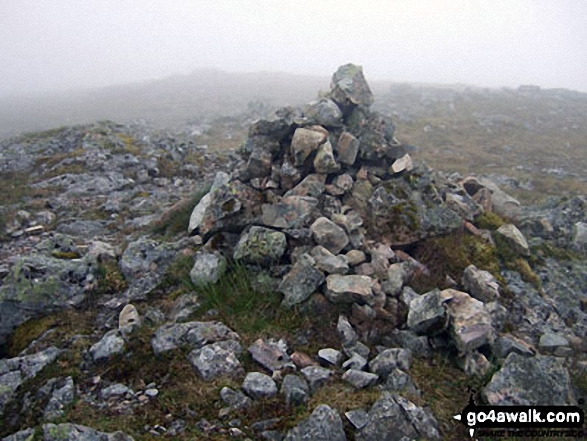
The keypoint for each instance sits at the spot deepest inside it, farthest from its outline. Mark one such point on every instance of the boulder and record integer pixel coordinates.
(480, 284)
(217, 360)
(347, 148)
(513, 239)
(260, 246)
(329, 235)
(208, 268)
(427, 314)
(257, 386)
(348, 289)
(349, 87)
(323, 425)
(304, 143)
(301, 282)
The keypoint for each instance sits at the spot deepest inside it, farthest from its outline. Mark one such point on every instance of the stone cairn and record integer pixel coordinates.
(324, 199)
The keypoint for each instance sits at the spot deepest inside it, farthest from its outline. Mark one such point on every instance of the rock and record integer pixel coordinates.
(183, 307)
(328, 262)
(396, 277)
(115, 390)
(506, 344)
(394, 418)
(60, 393)
(324, 112)
(427, 315)
(75, 432)
(355, 257)
(259, 386)
(193, 334)
(498, 313)
(301, 360)
(513, 238)
(402, 164)
(22, 435)
(301, 282)
(330, 356)
(110, 345)
(235, 399)
(217, 360)
(311, 186)
(347, 148)
(553, 344)
(270, 354)
(476, 365)
(329, 235)
(470, 324)
(480, 284)
(348, 289)
(417, 345)
(305, 142)
(324, 161)
(295, 389)
(357, 417)
(316, 376)
(200, 209)
(208, 268)
(262, 151)
(9, 382)
(349, 87)
(128, 319)
(323, 425)
(290, 212)
(390, 359)
(536, 381)
(580, 235)
(345, 331)
(359, 379)
(356, 362)
(261, 246)
(400, 382)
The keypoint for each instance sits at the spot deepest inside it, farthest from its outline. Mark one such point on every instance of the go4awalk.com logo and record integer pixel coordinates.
(537, 421)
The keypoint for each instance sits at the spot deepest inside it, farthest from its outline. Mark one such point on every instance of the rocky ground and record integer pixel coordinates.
(315, 283)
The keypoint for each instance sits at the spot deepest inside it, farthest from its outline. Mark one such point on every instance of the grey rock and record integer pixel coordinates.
(427, 315)
(128, 319)
(390, 359)
(551, 343)
(295, 389)
(31, 365)
(290, 212)
(417, 344)
(324, 112)
(358, 348)
(22, 435)
(330, 356)
(470, 324)
(270, 354)
(356, 362)
(9, 382)
(305, 142)
(506, 344)
(349, 87)
(396, 277)
(61, 393)
(183, 307)
(323, 425)
(75, 432)
(396, 419)
(110, 344)
(328, 262)
(194, 334)
(513, 238)
(115, 390)
(400, 382)
(316, 376)
(346, 331)
(311, 186)
(355, 257)
(324, 162)
(498, 313)
(329, 235)
(359, 379)
(476, 364)
(540, 380)
(200, 209)
(357, 417)
(480, 284)
(347, 148)
(235, 399)
(258, 386)
(348, 289)
(301, 282)
(217, 360)
(261, 246)
(208, 268)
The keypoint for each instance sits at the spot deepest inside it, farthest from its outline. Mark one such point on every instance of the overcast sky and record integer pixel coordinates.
(50, 45)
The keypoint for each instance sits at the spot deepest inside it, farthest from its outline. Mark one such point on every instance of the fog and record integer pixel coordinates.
(55, 45)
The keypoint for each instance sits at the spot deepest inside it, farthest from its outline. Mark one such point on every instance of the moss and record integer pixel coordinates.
(65, 254)
(547, 250)
(525, 270)
(26, 333)
(488, 220)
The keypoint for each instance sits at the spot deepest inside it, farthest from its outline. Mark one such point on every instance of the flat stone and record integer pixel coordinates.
(550, 342)
(330, 356)
(217, 360)
(356, 362)
(329, 235)
(402, 164)
(359, 379)
(328, 262)
(311, 186)
(506, 344)
(290, 212)
(348, 289)
(357, 417)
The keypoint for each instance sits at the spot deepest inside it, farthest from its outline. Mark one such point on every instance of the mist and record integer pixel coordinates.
(58, 45)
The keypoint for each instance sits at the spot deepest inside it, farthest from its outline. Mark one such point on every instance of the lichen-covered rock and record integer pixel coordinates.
(394, 418)
(349, 87)
(480, 284)
(305, 142)
(324, 162)
(301, 282)
(328, 262)
(193, 334)
(323, 425)
(329, 235)
(323, 112)
(470, 324)
(217, 360)
(208, 268)
(359, 379)
(348, 289)
(513, 238)
(258, 385)
(22, 435)
(235, 399)
(536, 381)
(347, 148)
(427, 315)
(200, 209)
(260, 246)
(290, 212)
(75, 432)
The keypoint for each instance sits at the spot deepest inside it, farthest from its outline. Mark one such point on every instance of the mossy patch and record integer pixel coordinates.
(66, 255)
(489, 220)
